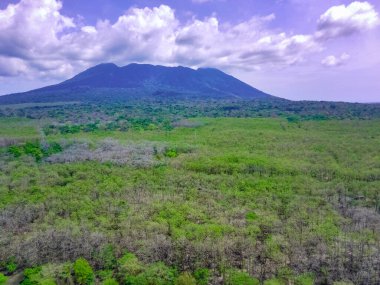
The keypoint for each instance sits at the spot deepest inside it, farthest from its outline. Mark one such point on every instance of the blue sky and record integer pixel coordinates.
(296, 49)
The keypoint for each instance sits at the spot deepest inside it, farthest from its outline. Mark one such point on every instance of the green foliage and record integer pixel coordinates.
(236, 277)
(251, 216)
(3, 279)
(287, 188)
(36, 276)
(286, 275)
(202, 276)
(129, 265)
(84, 275)
(17, 151)
(91, 127)
(64, 273)
(17, 128)
(185, 278)
(134, 273)
(104, 274)
(29, 272)
(327, 229)
(171, 153)
(52, 148)
(11, 265)
(107, 257)
(110, 281)
(69, 129)
(35, 150)
(155, 274)
(304, 279)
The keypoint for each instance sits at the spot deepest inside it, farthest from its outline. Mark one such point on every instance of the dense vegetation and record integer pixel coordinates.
(187, 192)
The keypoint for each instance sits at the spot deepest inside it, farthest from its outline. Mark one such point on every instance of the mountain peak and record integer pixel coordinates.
(104, 66)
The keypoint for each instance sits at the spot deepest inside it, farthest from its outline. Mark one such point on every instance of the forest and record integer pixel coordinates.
(175, 192)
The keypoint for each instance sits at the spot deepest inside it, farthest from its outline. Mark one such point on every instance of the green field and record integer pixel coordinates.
(18, 128)
(221, 201)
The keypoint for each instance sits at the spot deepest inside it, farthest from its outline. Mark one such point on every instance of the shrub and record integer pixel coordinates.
(11, 266)
(171, 153)
(69, 129)
(304, 279)
(236, 277)
(202, 275)
(33, 149)
(157, 274)
(53, 148)
(65, 274)
(286, 275)
(31, 276)
(129, 265)
(16, 151)
(3, 279)
(107, 257)
(251, 216)
(104, 274)
(185, 279)
(90, 127)
(84, 275)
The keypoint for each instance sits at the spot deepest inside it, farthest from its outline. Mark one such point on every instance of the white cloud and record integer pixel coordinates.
(139, 34)
(29, 33)
(89, 29)
(36, 39)
(346, 20)
(31, 25)
(332, 61)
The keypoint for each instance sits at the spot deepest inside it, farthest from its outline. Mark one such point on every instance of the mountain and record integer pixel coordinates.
(107, 81)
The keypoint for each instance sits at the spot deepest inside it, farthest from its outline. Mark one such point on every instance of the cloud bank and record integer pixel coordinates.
(37, 40)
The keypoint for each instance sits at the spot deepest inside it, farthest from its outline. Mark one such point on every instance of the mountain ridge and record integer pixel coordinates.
(144, 80)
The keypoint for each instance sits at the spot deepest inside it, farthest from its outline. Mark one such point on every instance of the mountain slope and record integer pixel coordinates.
(110, 82)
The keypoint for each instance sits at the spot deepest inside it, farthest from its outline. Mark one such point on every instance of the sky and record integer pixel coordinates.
(325, 50)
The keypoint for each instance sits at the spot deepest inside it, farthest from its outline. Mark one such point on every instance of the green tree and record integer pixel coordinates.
(107, 257)
(84, 275)
(156, 274)
(129, 265)
(32, 276)
(33, 149)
